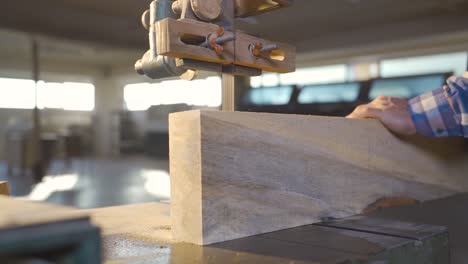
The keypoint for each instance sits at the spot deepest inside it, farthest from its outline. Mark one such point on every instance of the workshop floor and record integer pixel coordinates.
(90, 183)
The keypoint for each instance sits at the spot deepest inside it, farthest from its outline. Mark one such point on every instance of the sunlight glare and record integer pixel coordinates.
(158, 183)
(51, 184)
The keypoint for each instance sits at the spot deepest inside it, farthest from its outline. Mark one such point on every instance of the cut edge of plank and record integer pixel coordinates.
(187, 221)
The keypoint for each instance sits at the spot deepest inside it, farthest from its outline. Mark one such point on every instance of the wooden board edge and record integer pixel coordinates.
(185, 166)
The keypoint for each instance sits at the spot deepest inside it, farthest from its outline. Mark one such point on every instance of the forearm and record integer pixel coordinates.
(443, 112)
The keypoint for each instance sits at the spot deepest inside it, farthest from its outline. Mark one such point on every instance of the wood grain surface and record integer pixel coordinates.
(148, 221)
(19, 213)
(240, 174)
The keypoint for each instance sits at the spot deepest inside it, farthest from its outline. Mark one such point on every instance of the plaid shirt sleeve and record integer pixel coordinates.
(442, 112)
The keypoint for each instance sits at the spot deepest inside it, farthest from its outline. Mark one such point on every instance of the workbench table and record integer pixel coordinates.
(141, 234)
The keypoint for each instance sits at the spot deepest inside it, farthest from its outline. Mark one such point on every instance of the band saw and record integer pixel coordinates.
(186, 36)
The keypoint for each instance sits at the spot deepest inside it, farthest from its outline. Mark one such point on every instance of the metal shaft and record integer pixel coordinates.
(159, 10)
(229, 99)
(269, 48)
(37, 148)
(152, 30)
(229, 80)
(224, 39)
(219, 41)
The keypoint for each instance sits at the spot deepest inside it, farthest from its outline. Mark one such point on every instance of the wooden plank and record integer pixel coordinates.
(241, 174)
(4, 188)
(181, 39)
(186, 199)
(149, 221)
(20, 213)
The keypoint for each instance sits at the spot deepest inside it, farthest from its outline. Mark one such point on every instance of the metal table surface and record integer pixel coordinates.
(450, 212)
(144, 237)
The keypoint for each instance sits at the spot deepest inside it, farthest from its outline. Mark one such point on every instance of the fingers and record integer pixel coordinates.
(391, 111)
(399, 101)
(375, 108)
(381, 98)
(387, 100)
(365, 111)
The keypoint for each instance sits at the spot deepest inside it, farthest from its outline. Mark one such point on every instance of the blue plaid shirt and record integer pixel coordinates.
(443, 112)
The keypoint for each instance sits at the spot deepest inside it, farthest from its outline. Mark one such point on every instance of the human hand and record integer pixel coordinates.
(391, 111)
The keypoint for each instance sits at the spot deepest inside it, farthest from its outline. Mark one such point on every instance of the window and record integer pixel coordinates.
(205, 92)
(67, 96)
(21, 94)
(16, 93)
(270, 95)
(331, 93)
(450, 62)
(406, 87)
(304, 76)
(270, 79)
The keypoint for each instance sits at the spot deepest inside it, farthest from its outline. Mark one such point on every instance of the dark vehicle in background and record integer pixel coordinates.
(336, 99)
